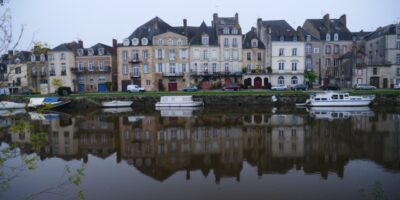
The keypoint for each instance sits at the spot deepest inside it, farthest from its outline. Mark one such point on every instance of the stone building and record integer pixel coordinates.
(16, 74)
(255, 74)
(383, 56)
(38, 71)
(93, 68)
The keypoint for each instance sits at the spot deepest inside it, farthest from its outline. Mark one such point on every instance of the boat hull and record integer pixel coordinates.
(340, 103)
(191, 104)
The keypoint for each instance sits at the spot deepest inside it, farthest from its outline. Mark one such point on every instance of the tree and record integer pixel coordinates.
(57, 82)
(310, 77)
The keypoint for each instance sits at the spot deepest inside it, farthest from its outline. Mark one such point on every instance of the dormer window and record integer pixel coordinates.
(80, 52)
(90, 52)
(33, 58)
(101, 51)
(170, 42)
(254, 43)
(145, 41)
(282, 38)
(179, 42)
(308, 38)
(205, 40)
(336, 37)
(126, 42)
(135, 41)
(328, 37)
(295, 38)
(235, 31)
(160, 42)
(17, 60)
(226, 31)
(42, 57)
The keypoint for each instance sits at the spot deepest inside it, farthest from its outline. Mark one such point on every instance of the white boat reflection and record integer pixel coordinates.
(332, 113)
(47, 116)
(177, 111)
(135, 118)
(12, 112)
(117, 110)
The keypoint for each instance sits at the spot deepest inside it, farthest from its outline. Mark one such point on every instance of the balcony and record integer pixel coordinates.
(135, 75)
(94, 70)
(176, 74)
(43, 74)
(215, 74)
(52, 73)
(135, 61)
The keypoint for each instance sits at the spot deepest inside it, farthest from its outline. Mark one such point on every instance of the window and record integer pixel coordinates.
(204, 40)
(226, 31)
(145, 54)
(294, 80)
(101, 65)
(259, 56)
(398, 59)
(125, 69)
(34, 70)
(248, 56)
(214, 54)
(101, 51)
(172, 68)
(159, 68)
(90, 52)
(126, 42)
(136, 71)
(184, 68)
(52, 69)
(135, 55)
(135, 41)
(63, 69)
(18, 70)
(328, 37)
(328, 62)
(160, 42)
(281, 66)
(235, 31)
(146, 68)
(205, 67)
(234, 42)
(102, 79)
(214, 67)
(62, 56)
(148, 83)
(398, 44)
(375, 71)
(226, 55)
(205, 54)
(294, 52)
(308, 63)
(254, 43)
(294, 66)
(171, 54)
(336, 49)
(91, 65)
(159, 53)
(124, 55)
(308, 49)
(328, 49)
(281, 80)
(336, 37)
(226, 67)
(80, 66)
(184, 53)
(316, 50)
(281, 51)
(344, 49)
(51, 57)
(226, 42)
(308, 38)
(359, 72)
(179, 42)
(249, 68)
(33, 58)
(170, 42)
(145, 41)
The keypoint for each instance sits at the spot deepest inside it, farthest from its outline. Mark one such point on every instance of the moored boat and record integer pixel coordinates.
(331, 98)
(116, 104)
(178, 101)
(52, 102)
(11, 105)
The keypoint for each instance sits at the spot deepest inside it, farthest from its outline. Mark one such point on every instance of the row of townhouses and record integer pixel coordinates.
(161, 57)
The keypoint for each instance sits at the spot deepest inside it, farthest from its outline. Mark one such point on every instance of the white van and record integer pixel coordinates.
(5, 91)
(134, 88)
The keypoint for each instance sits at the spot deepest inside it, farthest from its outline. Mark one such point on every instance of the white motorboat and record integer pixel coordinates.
(178, 101)
(116, 104)
(332, 113)
(11, 105)
(54, 102)
(331, 98)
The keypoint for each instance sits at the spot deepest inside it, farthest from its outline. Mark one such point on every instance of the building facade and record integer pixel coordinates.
(38, 71)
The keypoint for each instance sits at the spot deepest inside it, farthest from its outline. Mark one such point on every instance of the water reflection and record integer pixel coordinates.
(218, 141)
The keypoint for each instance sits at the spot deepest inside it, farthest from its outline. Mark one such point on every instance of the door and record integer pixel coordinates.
(102, 87)
(257, 83)
(172, 86)
(124, 85)
(81, 87)
(385, 83)
(374, 81)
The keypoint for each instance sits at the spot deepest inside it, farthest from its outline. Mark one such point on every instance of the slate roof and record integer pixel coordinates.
(200, 31)
(335, 26)
(381, 31)
(23, 56)
(151, 28)
(249, 36)
(66, 47)
(280, 28)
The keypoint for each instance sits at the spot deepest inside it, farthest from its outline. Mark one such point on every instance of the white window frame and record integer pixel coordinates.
(336, 37)
(101, 65)
(294, 52)
(125, 69)
(281, 66)
(146, 68)
(328, 37)
(294, 66)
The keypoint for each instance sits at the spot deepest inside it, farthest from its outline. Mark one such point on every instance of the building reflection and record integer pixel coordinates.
(219, 143)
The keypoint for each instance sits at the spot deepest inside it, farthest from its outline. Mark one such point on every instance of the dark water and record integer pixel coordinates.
(211, 153)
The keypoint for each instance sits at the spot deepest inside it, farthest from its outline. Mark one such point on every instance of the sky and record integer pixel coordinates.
(99, 21)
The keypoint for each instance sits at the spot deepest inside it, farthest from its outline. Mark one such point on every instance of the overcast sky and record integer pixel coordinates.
(94, 21)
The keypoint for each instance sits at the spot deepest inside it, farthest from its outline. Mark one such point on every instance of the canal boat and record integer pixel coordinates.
(116, 104)
(332, 99)
(11, 105)
(178, 101)
(52, 102)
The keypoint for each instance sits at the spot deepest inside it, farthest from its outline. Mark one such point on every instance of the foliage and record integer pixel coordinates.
(40, 48)
(269, 70)
(57, 82)
(108, 85)
(310, 77)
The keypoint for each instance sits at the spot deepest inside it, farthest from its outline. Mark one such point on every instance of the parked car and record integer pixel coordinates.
(299, 87)
(190, 89)
(330, 87)
(4, 91)
(134, 88)
(279, 87)
(397, 87)
(63, 91)
(26, 91)
(231, 87)
(362, 86)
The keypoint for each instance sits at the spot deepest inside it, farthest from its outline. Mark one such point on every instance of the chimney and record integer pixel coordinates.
(343, 19)
(215, 18)
(300, 34)
(185, 27)
(80, 44)
(237, 18)
(114, 43)
(327, 21)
